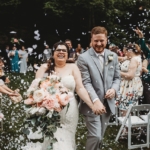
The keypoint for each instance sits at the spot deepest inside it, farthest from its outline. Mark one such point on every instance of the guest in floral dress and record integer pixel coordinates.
(146, 76)
(131, 87)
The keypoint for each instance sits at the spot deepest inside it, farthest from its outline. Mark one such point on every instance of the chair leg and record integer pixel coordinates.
(129, 133)
(123, 123)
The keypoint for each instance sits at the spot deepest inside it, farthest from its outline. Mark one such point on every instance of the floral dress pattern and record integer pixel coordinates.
(130, 90)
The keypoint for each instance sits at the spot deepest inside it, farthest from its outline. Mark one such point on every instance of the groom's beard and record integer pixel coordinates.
(99, 49)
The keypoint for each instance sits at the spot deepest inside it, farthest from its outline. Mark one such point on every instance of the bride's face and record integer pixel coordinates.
(60, 54)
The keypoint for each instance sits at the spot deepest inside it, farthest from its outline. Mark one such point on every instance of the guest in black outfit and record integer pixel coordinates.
(6, 59)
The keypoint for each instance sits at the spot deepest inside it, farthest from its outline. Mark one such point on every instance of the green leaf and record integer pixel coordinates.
(54, 140)
(26, 125)
(33, 121)
(67, 107)
(26, 131)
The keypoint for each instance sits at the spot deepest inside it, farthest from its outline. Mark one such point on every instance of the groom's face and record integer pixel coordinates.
(99, 42)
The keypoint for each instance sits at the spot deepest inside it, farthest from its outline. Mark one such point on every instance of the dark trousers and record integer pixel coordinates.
(146, 93)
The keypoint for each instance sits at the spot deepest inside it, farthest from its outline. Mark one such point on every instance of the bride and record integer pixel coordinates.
(71, 78)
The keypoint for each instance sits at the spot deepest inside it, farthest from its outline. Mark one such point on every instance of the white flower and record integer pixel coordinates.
(35, 83)
(110, 57)
(30, 90)
(50, 114)
(34, 110)
(54, 77)
(38, 95)
(41, 111)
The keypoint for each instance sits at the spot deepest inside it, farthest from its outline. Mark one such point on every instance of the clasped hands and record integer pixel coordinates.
(98, 108)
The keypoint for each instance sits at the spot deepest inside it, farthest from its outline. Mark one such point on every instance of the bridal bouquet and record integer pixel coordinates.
(46, 97)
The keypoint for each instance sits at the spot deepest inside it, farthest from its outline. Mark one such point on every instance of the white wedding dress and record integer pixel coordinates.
(69, 120)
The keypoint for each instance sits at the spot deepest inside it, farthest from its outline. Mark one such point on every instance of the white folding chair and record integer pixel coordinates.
(115, 122)
(135, 120)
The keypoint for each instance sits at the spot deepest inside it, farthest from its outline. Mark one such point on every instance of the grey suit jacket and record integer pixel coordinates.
(96, 82)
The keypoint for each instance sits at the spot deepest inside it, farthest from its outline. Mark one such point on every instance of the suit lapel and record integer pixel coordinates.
(96, 60)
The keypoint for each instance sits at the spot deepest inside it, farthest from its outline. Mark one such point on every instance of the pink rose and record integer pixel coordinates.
(29, 101)
(57, 106)
(58, 109)
(44, 84)
(70, 95)
(64, 99)
(47, 96)
(49, 104)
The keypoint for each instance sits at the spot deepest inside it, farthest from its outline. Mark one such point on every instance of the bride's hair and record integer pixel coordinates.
(51, 61)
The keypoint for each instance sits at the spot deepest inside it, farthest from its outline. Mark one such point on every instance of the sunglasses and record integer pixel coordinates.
(63, 50)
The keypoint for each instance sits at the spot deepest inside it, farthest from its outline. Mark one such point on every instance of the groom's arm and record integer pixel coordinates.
(86, 79)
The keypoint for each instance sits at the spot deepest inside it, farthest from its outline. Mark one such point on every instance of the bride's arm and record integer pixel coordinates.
(81, 91)
(40, 72)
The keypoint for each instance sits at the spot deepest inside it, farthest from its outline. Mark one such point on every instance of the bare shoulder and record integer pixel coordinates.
(72, 66)
(134, 59)
(44, 66)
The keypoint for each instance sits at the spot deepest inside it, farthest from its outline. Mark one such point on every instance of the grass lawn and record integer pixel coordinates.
(11, 138)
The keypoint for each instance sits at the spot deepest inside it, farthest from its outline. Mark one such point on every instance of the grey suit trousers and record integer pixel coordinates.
(96, 128)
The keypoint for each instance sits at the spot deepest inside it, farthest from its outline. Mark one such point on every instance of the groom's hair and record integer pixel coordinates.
(99, 30)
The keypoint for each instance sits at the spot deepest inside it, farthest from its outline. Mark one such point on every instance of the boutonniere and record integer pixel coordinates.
(110, 58)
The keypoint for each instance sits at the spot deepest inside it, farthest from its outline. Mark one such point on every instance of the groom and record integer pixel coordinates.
(101, 78)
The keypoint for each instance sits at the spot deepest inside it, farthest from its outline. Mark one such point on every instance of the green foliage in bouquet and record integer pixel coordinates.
(46, 97)
(48, 123)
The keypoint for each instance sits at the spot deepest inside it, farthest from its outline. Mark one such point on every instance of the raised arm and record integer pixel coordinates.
(141, 42)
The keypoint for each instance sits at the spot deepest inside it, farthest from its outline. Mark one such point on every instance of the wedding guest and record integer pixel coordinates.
(6, 58)
(3, 79)
(144, 64)
(2, 74)
(79, 50)
(47, 53)
(71, 49)
(23, 55)
(5, 90)
(14, 59)
(111, 46)
(116, 50)
(146, 77)
(131, 88)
